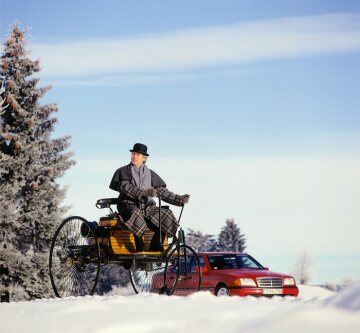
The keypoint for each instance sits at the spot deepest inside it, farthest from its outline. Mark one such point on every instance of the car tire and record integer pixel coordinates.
(222, 290)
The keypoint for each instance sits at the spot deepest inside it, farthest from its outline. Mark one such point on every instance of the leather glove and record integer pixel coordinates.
(184, 199)
(150, 192)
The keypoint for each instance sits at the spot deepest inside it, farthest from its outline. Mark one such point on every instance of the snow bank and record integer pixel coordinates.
(348, 299)
(201, 312)
(313, 292)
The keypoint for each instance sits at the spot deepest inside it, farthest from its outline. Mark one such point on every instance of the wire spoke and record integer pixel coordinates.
(73, 270)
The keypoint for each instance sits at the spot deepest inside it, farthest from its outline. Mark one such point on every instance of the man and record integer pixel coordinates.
(138, 185)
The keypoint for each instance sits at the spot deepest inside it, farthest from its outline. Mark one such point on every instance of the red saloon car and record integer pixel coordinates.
(226, 273)
(229, 273)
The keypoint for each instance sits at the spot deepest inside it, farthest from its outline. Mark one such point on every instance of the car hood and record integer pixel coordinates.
(253, 273)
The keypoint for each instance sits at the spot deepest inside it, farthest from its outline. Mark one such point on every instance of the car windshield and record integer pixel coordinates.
(228, 261)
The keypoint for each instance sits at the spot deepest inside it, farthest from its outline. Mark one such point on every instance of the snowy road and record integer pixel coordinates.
(316, 310)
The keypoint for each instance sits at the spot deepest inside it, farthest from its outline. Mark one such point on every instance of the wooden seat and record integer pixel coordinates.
(109, 222)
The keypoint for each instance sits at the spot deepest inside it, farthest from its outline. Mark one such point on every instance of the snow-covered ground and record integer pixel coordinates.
(315, 310)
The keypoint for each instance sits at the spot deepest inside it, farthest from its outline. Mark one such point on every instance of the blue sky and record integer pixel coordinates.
(252, 107)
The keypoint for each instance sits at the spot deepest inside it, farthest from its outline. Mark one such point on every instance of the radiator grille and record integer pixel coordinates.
(269, 282)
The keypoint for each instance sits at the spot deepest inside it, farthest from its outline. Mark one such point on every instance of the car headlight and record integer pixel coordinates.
(289, 282)
(245, 282)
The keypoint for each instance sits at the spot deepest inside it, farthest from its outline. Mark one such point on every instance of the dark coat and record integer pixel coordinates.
(135, 208)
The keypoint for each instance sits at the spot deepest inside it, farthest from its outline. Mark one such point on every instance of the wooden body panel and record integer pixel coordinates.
(123, 241)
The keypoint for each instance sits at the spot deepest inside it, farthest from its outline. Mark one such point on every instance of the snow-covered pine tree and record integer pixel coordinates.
(30, 162)
(230, 238)
(200, 242)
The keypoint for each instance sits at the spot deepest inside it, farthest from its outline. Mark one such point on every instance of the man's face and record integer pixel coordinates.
(137, 159)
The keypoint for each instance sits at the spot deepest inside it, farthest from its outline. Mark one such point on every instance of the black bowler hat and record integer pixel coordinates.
(140, 148)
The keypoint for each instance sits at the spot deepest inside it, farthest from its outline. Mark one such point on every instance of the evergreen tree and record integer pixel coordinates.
(230, 238)
(30, 162)
(200, 242)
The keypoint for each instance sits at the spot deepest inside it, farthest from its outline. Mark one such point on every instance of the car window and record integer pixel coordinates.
(222, 262)
(194, 263)
(191, 264)
(202, 261)
(232, 262)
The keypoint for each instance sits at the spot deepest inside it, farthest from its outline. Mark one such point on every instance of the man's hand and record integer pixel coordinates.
(150, 192)
(184, 198)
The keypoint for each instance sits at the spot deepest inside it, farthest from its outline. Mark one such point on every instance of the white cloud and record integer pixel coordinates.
(126, 79)
(202, 47)
(122, 80)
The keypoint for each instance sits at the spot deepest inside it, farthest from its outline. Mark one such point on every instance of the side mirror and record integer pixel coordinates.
(266, 268)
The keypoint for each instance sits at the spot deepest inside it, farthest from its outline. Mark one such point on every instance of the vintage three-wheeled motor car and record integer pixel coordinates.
(80, 248)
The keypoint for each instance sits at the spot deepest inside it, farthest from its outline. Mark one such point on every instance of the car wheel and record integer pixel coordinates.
(222, 290)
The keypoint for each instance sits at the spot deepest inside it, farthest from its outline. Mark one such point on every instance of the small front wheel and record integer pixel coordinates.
(182, 275)
(146, 277)
(74, 261)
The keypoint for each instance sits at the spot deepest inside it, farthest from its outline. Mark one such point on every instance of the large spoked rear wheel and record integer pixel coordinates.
(147, 277)
(74, 261)
(182, 274)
